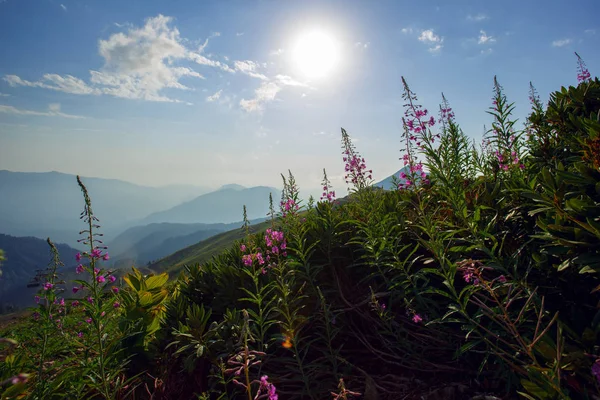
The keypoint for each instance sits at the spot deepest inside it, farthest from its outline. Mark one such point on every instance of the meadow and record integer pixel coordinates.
(478, 278)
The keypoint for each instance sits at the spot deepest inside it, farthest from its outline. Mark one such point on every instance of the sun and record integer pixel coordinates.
(316, 54)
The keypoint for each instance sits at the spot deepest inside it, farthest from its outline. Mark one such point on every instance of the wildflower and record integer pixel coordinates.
(116, 304)
(75, 303)
(96, 253)
(583, 75)
(48, 286)
(88, 320)
(103, 313)
(101, 279)
(79, 269)
(596, 370)
(267, 387)
(243, 248)
(36, 316)
(75, 289)
(78, 257)
(417, 318)
(105, 257)
(21, 378)
(37, 299)
(115, 289)
(502, 279)
(80, 334)
(247, 259)
(90, 300)
(61, 302)
(111, 278)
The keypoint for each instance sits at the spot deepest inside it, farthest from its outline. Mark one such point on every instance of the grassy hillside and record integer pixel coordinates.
(202, 251)
(478, 278)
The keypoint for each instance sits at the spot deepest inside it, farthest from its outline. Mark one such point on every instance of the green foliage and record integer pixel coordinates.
(478, 277)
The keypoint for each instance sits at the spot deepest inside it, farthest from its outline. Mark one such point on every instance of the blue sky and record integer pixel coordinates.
(211, 92)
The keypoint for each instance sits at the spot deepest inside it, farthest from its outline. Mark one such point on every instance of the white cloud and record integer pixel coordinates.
(477, 17)
(53, 111)
(277, 52)
(66, 83)
(407, 30)
(434, 41)
(590, 31)
(483, 38)
(561, 42)
(215, 96)
(435, 49)
(249, 68)
(239, 34)
(63, 7)
(4, 95)
(486, 51)
(429, 36)
(265, 93)
(138, 64)
(288, 81)
(362, 45)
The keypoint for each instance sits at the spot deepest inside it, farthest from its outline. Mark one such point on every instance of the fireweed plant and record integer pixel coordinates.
(477, 278)
(99, 306)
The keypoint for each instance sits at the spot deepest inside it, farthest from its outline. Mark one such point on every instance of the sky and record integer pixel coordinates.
(208, 93)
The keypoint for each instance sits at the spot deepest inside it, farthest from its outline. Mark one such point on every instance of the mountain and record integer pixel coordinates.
(223, 206)
(232, 186)
(48, 204)
(388, 183)
(141, 244)
(24, 256)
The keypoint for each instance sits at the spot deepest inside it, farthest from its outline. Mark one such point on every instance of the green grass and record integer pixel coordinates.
(203, 251)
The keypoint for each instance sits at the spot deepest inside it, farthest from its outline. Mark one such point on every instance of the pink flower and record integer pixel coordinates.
(80, 334)
(88, 320)
(78, 257)
(61, 302)
(115, 289)
(75, 303)
(90, 300)
(48, 286)
(417, 318)
(596, 370)
(247, 259)
(502, 279)
(96, 253)
(37, 299)
(116, 304)
(111, 278)
(79, 269)
(243, 248)
(75, 289)
(103, 313)
(101, 279)
(105, 257)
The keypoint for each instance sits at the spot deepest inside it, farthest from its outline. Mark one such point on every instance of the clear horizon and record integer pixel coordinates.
(213, 93)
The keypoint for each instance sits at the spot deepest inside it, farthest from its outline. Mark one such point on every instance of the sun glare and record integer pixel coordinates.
(316, 54)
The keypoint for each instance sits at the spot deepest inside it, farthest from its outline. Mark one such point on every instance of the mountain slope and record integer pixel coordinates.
(25, 255)
(203, 251)
(47, 204)
(224, 206)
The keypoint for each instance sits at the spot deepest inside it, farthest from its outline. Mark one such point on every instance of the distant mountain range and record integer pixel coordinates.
(48, 204)
(223, 206)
